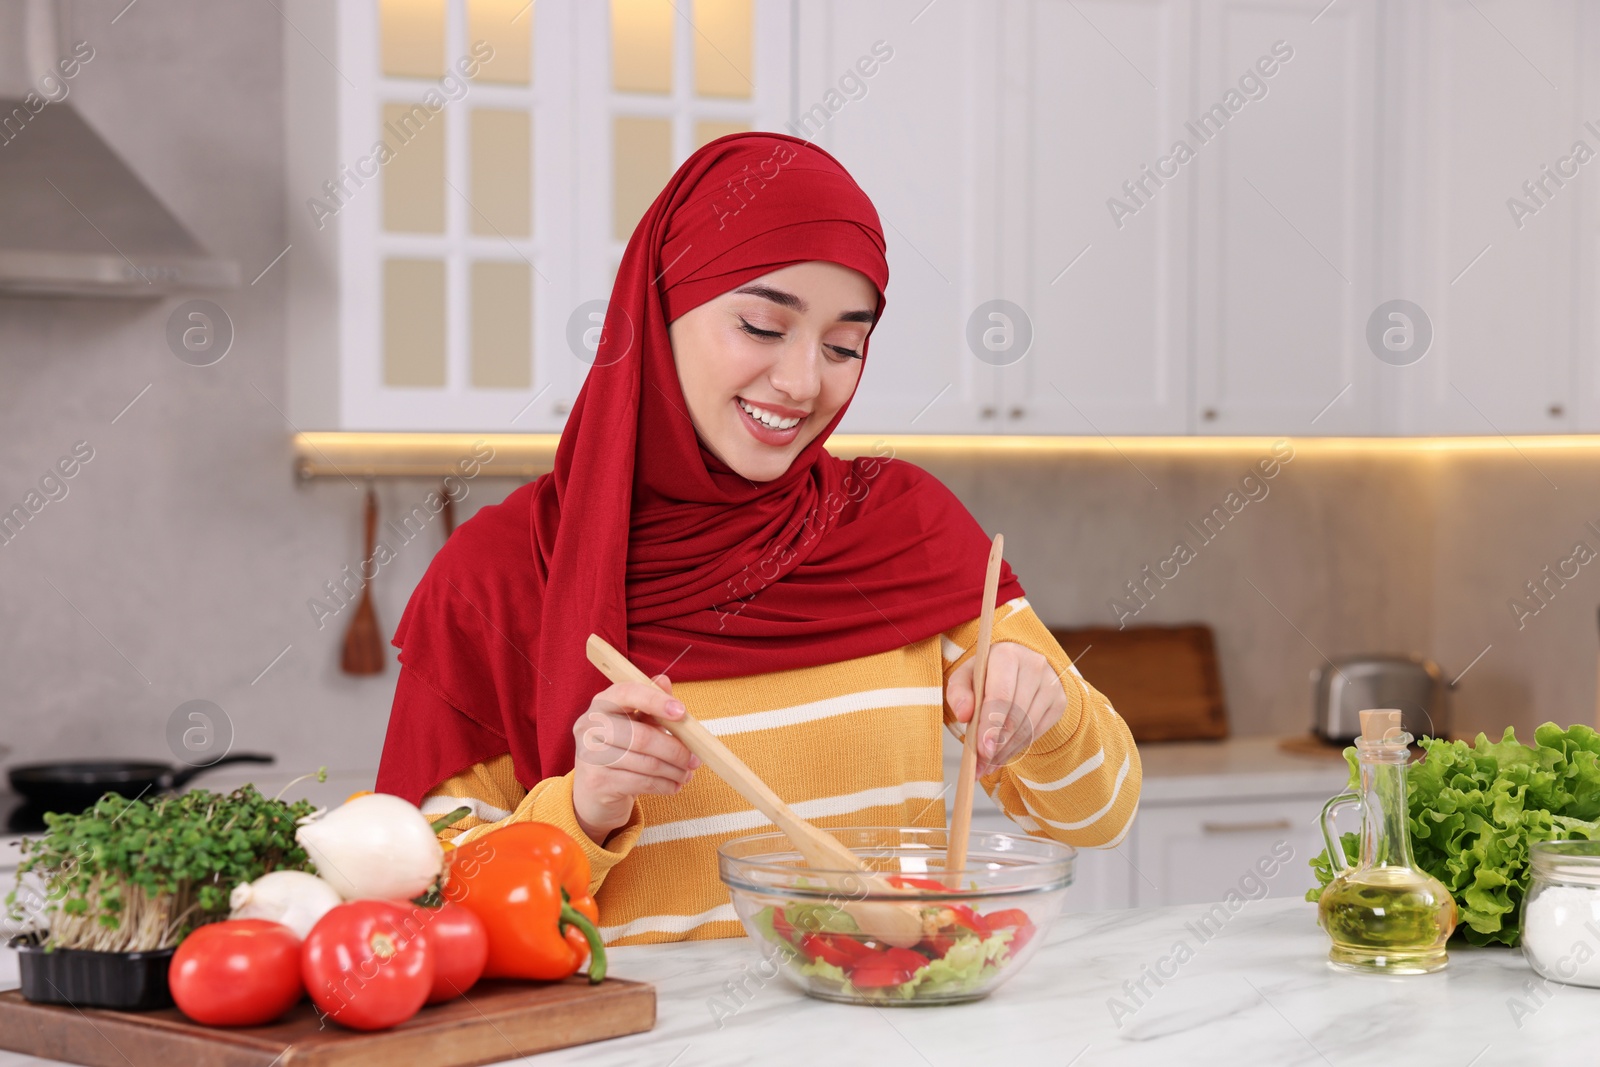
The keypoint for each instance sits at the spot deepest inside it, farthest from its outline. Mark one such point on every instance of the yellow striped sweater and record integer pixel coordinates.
(856, 743)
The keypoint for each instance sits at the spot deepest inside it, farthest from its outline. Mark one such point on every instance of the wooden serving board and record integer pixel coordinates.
(1163, 680)
(497, 1020)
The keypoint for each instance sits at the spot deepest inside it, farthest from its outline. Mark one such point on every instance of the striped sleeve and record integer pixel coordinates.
(497, 799)
(1079, 780)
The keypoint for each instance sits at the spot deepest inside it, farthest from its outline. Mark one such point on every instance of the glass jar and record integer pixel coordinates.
(1561, 912)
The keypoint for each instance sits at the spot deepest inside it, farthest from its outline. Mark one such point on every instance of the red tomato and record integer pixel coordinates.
(900, 881)
(1017, 919)
(837, 949)
(891, 967)
(460, 948)
(1009, 917)
(368, 965)
(240, 972)
(965, 916)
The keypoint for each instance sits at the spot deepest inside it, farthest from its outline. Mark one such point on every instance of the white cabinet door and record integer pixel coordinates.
(903, 93)
(1094, 94)
(1286, 217)
(1199, 853)
(1496, 192)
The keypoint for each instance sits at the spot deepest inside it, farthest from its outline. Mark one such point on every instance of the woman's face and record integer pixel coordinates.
(765, 367)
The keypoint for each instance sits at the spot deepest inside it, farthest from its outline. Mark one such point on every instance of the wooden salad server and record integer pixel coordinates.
(955, 856)
(896, 924)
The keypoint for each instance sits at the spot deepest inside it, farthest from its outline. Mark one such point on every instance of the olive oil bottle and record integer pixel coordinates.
(1384, 915)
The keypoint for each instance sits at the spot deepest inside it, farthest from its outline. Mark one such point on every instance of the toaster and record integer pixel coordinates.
(1341, 689)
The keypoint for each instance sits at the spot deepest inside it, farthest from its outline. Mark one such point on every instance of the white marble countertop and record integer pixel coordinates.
(1256, 991)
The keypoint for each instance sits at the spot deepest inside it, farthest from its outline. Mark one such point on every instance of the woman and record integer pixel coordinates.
(817, 614)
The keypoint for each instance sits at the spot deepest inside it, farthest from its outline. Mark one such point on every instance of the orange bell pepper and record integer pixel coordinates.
(529, 883)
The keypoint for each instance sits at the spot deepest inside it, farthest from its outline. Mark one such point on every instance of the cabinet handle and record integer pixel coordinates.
(986, 413)
(1556, 411)
(1245, 827)
(561, 407)
(1209, 414)
(1016, 413)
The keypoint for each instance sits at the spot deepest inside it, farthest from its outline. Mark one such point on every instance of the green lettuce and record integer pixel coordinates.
(820, 919)
(824, 969)
(1476, 809)
(763, 921)
(970, 963)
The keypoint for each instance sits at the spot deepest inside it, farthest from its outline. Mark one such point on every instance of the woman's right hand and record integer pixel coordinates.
(621, 754)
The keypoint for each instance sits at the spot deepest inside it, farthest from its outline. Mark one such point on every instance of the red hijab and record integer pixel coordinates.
(641, 535)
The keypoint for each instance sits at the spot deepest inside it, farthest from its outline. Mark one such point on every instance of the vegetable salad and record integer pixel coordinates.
(960, 953)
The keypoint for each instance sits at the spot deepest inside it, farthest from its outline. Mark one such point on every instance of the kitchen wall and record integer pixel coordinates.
(1333, 559)
(1500, 522)
(180, 563)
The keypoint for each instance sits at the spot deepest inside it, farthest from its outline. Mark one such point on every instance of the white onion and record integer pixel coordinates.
(294, 898)
(374, 847)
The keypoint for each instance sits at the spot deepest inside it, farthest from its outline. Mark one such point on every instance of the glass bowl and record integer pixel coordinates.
(803, 921)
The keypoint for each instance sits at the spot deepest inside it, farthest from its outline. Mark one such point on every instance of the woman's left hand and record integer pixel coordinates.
(1022, 699)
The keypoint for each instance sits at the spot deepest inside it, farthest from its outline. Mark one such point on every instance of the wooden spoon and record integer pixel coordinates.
(955, 856)
(363, 644)
(896, 924)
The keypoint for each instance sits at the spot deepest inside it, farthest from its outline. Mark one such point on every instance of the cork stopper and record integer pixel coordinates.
(1377, 723)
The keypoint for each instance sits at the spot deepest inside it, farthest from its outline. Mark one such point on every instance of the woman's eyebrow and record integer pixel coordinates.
(777, 296)
(783, 298)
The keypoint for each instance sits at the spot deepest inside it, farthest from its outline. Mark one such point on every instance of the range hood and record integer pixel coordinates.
(74, 219)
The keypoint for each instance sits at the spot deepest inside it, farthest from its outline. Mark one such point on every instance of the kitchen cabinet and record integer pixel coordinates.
(918, 134)
(1016, 303)
(1199, 853)
(1092, 95)
(1287, 205)
(1141, 217)
(463, 179)
(1339, 159)
(1497, 100)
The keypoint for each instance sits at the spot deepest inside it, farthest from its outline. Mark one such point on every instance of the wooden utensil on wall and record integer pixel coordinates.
(363, 644)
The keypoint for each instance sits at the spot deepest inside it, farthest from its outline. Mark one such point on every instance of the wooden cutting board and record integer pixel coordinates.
(497, 1020)
(1162, 680)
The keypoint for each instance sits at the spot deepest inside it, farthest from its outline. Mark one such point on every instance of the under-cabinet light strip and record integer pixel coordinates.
(527, 455)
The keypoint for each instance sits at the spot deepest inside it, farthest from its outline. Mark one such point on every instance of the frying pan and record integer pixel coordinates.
(75, 785)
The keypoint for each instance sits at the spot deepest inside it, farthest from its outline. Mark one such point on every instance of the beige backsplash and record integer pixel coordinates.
(1351, 551)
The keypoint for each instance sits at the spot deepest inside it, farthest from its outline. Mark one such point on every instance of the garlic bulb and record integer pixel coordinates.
(374, 847)
(294, 898)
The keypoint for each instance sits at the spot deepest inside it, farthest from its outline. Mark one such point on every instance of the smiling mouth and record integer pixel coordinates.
(768, 419)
